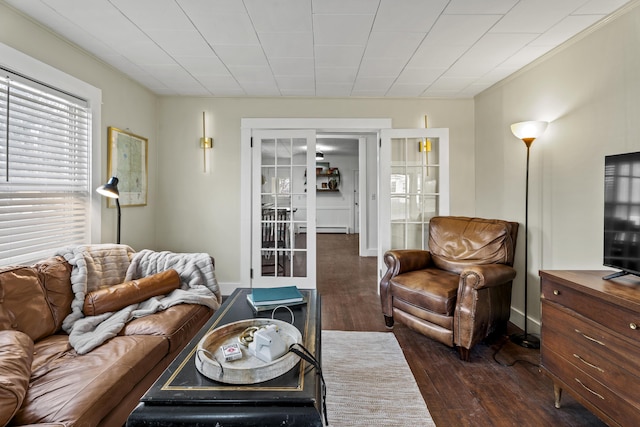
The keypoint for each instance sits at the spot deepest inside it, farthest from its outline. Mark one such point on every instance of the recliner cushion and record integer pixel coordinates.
(457, 242)
(431, 289)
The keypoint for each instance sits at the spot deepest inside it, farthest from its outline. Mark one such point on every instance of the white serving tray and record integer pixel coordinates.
(249, 370)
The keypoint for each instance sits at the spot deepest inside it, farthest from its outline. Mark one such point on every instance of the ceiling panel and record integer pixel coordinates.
(342, 48)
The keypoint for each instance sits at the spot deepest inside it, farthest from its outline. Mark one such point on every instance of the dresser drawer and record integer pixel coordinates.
(582, 385)
(589, 340)
(614, 318)
(607, 359)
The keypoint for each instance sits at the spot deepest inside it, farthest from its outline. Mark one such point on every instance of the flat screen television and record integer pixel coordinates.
(622, 213)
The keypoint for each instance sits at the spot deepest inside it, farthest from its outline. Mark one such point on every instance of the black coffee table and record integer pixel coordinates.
(182, 396)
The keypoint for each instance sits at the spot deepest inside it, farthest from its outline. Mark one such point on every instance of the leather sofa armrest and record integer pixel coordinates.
(486, 276)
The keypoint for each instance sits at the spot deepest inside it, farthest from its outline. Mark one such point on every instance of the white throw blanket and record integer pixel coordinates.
(99, 266)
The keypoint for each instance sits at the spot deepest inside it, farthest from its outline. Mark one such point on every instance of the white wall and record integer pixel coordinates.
(125, 105)
(590, 92)
(201, 212)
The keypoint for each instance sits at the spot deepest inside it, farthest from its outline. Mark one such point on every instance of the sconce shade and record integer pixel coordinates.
(529, 130)
(110, 189)
(319, 155)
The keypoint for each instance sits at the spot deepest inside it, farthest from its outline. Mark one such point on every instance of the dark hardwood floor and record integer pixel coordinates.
(501, 385)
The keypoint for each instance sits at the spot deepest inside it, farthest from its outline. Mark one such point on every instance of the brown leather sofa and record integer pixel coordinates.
(459, 291)
(43, 381)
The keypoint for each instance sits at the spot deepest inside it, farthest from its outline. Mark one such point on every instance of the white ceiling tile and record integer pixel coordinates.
(280, 15)
(338, 56)
(535, 16)
(566, 29)
(400, 90)
(419, 76)
(380, 67)
(466, 7)
(463, 30)
(451, 83)
(241, 55)
(342, 7)
(210, 7)
(287, 45)
(219, 83)
(295, 83)
(333, 89)
(600, 7)
(223, 27)
(261, 89)
(524, 56)
(373, 84)
(204, 65)
(246, 75)
(436, 56)
(489, 52)
(341, 29)
(167, 15)
(393, 45)
(181, 43)
(292, 66)
(336, 75)
(406, 15)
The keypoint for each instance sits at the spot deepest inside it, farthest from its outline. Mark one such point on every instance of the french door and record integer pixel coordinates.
(283, 212)
(413, 187)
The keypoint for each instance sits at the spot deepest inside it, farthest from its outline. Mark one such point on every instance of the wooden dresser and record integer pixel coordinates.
(590, 341)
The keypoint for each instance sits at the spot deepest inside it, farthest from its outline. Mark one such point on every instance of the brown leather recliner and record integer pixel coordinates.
(459, 291)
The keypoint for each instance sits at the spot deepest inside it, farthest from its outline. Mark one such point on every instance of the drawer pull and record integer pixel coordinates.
(633, 326)
(590, 339)
(591, 365)
(556, 292)
(589, 390)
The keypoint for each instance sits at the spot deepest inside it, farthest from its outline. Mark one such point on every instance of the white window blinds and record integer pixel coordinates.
(44, 170)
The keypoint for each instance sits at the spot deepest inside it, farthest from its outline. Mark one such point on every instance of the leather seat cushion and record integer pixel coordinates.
(80, 390)
(430, 289)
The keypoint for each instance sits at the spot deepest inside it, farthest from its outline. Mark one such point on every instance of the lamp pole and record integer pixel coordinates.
(527, 132)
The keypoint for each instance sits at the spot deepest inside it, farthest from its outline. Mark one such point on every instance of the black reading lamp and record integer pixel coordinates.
(110, 189)
(527, 132)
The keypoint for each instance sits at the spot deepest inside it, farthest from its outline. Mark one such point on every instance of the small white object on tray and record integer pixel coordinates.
(211, 362)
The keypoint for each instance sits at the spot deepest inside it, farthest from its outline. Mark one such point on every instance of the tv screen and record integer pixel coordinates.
(622, 213)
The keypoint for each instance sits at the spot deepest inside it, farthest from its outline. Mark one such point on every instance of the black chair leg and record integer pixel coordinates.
(388, 321)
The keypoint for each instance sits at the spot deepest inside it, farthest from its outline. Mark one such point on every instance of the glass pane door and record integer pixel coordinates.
(283, 213)
(414, 186)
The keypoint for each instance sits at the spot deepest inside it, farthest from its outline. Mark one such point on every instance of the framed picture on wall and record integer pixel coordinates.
(127, 160)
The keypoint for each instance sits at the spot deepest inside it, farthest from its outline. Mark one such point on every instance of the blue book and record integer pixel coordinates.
(275, 296)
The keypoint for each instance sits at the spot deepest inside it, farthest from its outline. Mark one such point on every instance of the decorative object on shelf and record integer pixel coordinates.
(527, 132)
(333, 184)
(205, 143)
(127, 159)
(110, 190)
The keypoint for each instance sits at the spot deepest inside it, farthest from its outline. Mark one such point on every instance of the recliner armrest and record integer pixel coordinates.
(487, 275)
(401, 261)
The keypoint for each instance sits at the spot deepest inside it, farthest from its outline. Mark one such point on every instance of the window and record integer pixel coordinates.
(45, 170)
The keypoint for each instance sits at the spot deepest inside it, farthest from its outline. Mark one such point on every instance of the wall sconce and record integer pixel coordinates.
(205, 143)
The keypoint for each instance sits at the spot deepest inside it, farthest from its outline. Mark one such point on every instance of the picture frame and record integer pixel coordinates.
(127, 156)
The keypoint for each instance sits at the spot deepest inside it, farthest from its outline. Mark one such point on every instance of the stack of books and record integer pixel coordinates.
(262, 299)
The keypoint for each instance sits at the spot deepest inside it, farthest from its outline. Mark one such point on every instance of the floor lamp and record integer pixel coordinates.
(527, 132)
(110, 189)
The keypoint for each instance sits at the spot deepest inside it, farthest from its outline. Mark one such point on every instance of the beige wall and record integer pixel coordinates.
(590, 92)
(126, 105)
(201, 212)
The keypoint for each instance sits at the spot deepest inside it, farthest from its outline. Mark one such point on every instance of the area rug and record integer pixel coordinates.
(369, 382)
